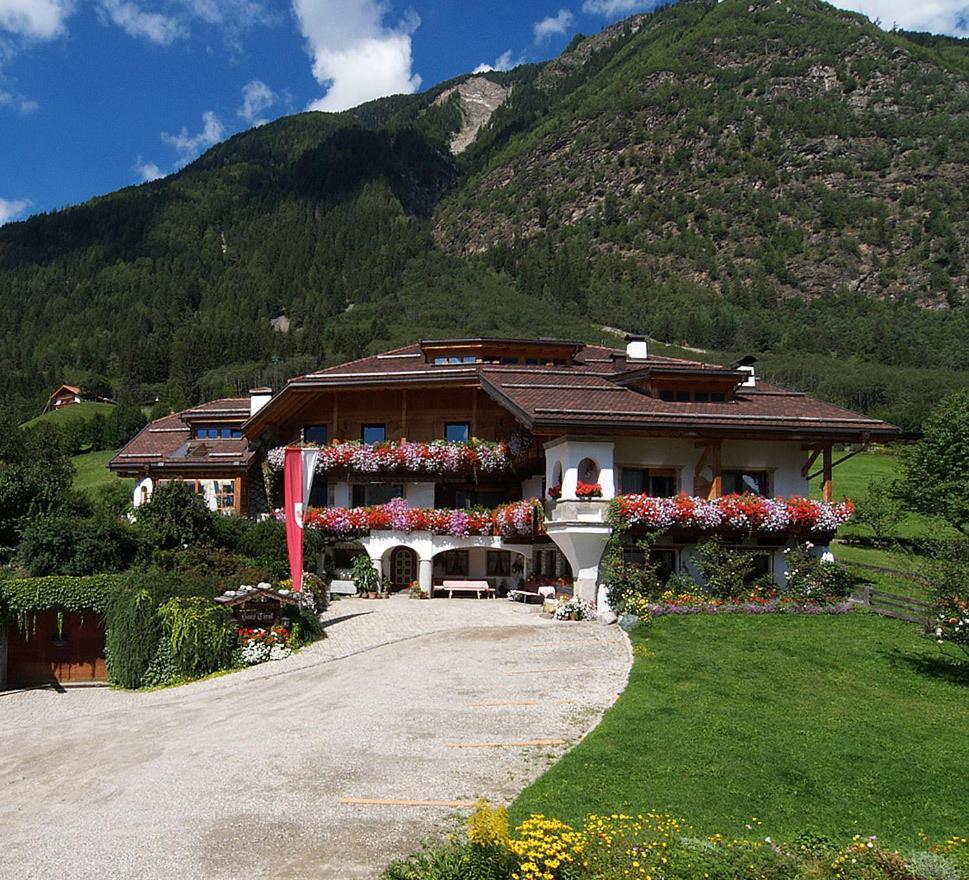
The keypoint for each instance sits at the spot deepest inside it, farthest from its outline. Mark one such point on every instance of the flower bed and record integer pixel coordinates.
(740, 513)
(661, 846)
(439, 457)
(262, 645)
(516, 520)
(758, 601)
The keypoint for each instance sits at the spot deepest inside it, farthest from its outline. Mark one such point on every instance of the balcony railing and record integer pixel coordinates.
(521, 520)
(437, 458)
(731, 514)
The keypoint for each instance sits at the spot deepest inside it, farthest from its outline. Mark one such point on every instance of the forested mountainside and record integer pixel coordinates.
(781, 178)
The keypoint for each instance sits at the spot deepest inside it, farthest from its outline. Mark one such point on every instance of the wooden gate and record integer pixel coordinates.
(48, 653)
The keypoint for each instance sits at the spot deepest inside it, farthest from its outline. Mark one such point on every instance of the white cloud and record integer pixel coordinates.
(617, 8)
(160, 29)
(11, 209)
(505, 61)
(35, 19)
(147, 171)
(354, 54)
(935, 16)
(257, 97)
(22, 103)
(553, 25)
(189, 146)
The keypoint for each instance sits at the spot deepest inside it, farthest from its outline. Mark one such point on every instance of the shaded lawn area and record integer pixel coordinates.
(838, 725)
(91, 471)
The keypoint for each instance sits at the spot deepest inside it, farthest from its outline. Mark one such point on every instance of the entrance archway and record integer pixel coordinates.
(403, 566)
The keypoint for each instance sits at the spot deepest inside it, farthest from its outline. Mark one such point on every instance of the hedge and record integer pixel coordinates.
(21, 598)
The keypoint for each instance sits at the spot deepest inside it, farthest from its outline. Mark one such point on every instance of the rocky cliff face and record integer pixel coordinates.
(789, 143)
(478, 97)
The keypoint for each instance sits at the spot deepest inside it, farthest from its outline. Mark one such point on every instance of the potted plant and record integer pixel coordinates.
(365, 577)
(415, 591)
(588, 490)
(555, 492)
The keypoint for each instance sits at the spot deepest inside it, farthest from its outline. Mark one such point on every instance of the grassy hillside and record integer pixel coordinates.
(91, 471)
(78, 412)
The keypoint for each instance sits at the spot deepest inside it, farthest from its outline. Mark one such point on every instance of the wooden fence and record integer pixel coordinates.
(893, 605)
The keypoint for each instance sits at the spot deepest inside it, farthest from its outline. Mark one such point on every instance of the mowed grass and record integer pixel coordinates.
(839, 725)
(67, 414)
(852, 479)
(91, 471)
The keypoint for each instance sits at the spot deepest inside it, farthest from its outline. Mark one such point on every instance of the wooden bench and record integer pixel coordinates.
(478, 587)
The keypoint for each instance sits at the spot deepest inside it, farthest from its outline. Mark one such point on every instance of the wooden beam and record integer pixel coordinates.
(716, 485)
(335, 429)
(403, 414)
(827, 485)
(474, 412)
(813, 457)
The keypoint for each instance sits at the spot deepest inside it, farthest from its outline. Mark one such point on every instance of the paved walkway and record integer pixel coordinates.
(243, 775)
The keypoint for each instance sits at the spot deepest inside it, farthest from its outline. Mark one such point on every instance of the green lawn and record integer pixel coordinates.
(851, 479)
(839, 725)
(91, 471)
(67, 414)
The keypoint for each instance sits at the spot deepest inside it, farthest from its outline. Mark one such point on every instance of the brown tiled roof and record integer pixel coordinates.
(597, 402)
(167, 444)
(592, 394)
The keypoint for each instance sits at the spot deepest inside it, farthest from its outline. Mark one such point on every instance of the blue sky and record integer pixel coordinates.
(100, 94)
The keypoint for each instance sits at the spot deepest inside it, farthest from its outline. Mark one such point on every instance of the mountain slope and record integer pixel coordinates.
(790, 145)
(748, 175)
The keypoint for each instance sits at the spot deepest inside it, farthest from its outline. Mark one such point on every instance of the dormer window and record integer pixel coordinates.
(694, 396)
(216, 432)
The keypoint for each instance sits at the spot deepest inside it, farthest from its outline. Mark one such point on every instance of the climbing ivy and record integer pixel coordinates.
(21, 599)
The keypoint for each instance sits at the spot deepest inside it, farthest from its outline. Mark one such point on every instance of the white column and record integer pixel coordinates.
(425, 576)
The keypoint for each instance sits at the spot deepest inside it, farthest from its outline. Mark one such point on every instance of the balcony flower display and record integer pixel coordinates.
(517, 519)
(406, 457)
(588, 490)
(555, 492)
(741, 513)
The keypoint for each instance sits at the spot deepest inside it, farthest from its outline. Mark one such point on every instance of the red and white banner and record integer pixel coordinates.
(298, 472)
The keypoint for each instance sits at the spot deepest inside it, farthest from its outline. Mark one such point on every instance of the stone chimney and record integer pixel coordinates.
(637, 347)
(258, 398)
(751, 380)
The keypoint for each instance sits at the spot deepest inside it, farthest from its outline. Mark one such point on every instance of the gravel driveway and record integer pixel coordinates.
(243, 775)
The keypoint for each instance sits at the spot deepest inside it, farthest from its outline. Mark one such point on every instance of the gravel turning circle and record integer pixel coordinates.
(242, 775)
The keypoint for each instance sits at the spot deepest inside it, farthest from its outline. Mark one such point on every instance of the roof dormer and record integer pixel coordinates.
(676, 383)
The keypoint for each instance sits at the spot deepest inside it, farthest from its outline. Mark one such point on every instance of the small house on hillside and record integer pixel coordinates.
(66, 395)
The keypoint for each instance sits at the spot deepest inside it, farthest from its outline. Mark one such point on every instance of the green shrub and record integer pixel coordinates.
(175, 517)
(631, 583)
(60, 544)
(811, 578)
(728, 573)
(132, 635)
(202, 635)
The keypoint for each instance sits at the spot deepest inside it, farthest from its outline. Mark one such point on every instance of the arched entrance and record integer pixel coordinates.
(403, 566)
